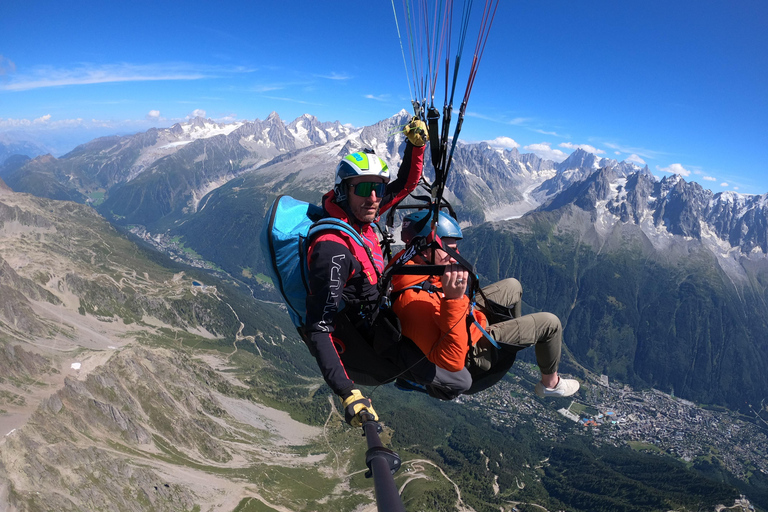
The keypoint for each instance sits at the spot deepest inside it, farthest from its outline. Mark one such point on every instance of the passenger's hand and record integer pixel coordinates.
(454, 281)
(353, 405)
(416, 131)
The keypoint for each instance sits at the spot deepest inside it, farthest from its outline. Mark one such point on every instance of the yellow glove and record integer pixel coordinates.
(416, 131)
(353, 405)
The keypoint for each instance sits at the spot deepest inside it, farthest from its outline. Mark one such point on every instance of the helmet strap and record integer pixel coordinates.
(340, 191)
(344, 203)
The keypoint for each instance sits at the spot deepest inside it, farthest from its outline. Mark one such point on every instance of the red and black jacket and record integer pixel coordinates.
(342, 275)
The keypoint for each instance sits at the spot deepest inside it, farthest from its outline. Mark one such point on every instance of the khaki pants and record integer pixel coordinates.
(488, 364)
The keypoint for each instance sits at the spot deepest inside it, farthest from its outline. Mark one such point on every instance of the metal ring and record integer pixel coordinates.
(459, 281)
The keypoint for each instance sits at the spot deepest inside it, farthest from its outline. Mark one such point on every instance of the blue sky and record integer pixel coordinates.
(680, 86)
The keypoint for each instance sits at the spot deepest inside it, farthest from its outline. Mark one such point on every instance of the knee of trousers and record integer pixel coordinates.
(548, 321)
(512, 285)
(514, 289)
(457, 382)
(509, 288)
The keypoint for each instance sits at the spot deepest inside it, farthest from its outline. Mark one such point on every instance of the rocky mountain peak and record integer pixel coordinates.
(44, 159)
(176, 129)
(580, 159)
(485, 183)
(672, 205)
(199, 122)
(378, 136)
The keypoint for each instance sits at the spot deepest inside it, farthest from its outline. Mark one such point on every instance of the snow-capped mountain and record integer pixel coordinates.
(495, 183)
(731, 224)
(577, 167)
(162, 171)
(158, 177)
(252, 142)
(310, 167)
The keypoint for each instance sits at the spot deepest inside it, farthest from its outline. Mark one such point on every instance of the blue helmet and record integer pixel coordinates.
(418, 224)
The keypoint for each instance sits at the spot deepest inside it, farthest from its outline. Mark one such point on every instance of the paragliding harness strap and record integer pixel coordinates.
(290, 223)
(424, 286)
(474, 289)
(340, 225)
(369, 314)
(486, 335)
(430, 288)
(417, 245)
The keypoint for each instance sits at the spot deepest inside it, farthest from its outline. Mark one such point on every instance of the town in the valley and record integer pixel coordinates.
(648, 420)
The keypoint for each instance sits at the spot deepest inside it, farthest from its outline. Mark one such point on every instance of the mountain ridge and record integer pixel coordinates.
(201, 155)
(602, 204)
(727, 220)
(141, 386)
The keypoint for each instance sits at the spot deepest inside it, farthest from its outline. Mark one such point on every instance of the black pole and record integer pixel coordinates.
(382, 464)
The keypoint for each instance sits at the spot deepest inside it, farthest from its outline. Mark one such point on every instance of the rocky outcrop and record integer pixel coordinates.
(70, 454)
(675, 206)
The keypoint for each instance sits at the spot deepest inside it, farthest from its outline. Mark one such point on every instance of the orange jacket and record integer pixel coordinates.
(436, 324)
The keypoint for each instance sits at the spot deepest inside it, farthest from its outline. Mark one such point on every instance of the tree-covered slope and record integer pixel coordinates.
(671, 319)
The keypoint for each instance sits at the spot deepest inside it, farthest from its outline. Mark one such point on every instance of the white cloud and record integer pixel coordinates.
(154, 115)
(543, 132)
(643, 152)
(230, 118)
(635, 159)
(735, 188)
(617, 152)
(6, 65)
(477, 115)
(88, 74)
(67, 123)
(543, 150)
(335, 76)
(44, 122)
(198, 112)
(724, 184)
(503, 143)
(709, 178)
(517, 121)
(293, 100)
(14, 123)
(382, 97)
(585, 147)
(267, 87)
(675, 169)
(98, 123)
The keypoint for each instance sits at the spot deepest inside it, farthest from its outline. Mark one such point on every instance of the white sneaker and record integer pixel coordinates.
(565, 387)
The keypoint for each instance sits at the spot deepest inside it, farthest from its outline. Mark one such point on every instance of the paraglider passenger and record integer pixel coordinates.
(433, 311)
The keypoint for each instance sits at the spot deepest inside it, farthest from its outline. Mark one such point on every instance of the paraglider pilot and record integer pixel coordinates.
(343, 277)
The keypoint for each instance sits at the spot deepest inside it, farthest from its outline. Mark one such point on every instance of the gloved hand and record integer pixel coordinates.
(416, 131)
(353, 405)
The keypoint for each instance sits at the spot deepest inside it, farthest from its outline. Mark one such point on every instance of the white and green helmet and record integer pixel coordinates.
(359, 164)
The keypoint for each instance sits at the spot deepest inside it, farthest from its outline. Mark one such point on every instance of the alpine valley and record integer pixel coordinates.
(148, 365)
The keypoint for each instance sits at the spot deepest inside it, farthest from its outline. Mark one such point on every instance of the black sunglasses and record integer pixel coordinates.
(365, 188)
